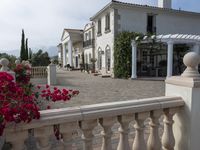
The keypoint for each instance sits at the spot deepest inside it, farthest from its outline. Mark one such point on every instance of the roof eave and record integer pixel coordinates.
(101, 11)
(118, 3)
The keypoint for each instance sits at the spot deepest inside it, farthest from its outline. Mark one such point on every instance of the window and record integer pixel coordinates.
(86, 36)
(151, 24)
(99, 27)
(107, 21)
(89, 35)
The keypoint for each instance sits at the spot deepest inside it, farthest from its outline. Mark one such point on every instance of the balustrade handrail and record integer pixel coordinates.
(95, 111)
(39, 72)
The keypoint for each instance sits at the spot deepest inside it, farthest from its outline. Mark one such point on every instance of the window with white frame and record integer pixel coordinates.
(107, 22)
(89, 35)
(99, 27)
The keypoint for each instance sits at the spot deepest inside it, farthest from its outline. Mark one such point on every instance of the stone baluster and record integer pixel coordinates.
(87, 127)
(67, 130)
(107, 124)
(124, 130)
(16, 138)
(139, 142)
(154, 142)
(43, 134)
(168, 141)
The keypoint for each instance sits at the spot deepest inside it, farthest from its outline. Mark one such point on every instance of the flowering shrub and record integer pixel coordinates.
(17, 104)
(23, 74)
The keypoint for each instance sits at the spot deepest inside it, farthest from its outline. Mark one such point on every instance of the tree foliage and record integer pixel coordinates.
(30, 54)
(40, 59)
(123, 53)
(23, 51)
(26, 49)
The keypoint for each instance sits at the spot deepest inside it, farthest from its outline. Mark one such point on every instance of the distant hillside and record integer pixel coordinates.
(52, 51)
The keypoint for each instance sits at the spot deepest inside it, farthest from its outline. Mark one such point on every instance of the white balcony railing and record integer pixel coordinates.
(86, 118)
(39, 72)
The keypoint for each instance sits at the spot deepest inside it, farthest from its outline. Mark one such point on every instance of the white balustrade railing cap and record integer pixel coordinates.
(64, 115)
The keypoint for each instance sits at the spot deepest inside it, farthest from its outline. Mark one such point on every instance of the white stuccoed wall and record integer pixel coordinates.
(105, 39)
(135, 19)
(177, 23)
(132, 20)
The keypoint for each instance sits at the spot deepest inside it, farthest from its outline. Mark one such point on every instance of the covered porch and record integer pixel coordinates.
(72, 48)
(162, 55)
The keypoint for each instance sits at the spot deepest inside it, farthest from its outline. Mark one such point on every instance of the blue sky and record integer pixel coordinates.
(44, 20)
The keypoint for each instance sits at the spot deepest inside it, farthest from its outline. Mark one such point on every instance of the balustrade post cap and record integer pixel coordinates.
(4, 61)
(191, 60)
(23, 62)
(52, 61)
(17, 62)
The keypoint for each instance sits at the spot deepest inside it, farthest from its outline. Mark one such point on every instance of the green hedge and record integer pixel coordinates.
(122, 54)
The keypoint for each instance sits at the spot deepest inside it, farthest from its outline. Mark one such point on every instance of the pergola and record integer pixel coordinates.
(170, 40)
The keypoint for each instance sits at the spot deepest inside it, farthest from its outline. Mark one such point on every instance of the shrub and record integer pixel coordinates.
(19, 102)
(123, 54)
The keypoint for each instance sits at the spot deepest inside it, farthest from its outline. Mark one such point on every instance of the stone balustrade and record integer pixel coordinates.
(39, 72)
(86, 118)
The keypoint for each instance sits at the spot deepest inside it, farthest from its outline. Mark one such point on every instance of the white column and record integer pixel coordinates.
(64, 55)
(70, 53)
(134, 60)
(170, 46)
(187, 120)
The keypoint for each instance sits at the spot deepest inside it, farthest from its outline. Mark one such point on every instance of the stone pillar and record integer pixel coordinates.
(187, 121)
(134, 60)
(64, 55)
(70, 59)
(51, 74)
(169, 58)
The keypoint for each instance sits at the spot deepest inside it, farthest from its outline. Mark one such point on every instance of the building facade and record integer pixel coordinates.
(72, 47)
(89, 46)
(117, 16)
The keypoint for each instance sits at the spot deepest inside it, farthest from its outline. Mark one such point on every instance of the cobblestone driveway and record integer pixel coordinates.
(95, 89)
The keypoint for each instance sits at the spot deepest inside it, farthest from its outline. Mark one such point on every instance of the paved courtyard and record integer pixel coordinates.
(95, 89)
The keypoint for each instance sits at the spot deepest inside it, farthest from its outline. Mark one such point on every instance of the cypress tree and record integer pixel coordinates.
(30, 54)
(23, 51)
(26, 49)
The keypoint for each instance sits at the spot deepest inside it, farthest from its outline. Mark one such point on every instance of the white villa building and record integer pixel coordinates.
(99, 35)
(70, 48)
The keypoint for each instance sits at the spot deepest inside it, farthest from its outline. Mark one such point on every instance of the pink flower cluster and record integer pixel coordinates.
(15, 104)
(56, 94)
(18, 102)
(23, 73)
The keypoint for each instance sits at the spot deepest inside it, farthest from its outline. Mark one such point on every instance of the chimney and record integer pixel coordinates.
(165, 4)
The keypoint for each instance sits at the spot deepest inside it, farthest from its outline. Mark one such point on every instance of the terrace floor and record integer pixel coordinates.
(95, 89)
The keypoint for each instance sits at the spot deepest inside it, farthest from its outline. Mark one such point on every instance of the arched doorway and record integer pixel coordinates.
(99, 62)
(108, 58)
